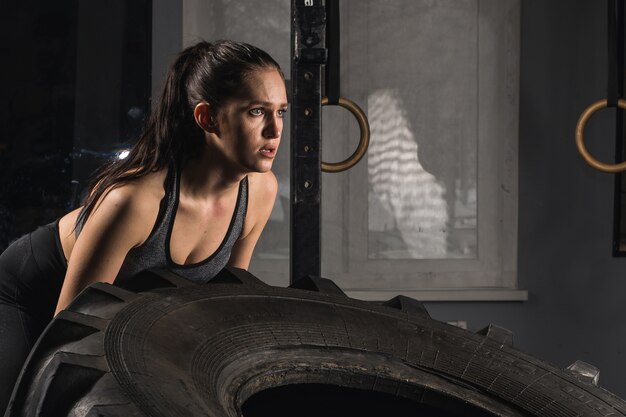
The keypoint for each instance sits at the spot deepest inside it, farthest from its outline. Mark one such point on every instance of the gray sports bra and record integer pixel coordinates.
(155, 251)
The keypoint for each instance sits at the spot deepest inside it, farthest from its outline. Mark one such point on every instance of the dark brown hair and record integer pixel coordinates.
(205, 72)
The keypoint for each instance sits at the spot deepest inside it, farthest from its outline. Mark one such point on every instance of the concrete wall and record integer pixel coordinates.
(577, 290)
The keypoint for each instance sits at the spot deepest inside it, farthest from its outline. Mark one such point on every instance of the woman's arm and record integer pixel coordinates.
(117, 224)
(262, 194)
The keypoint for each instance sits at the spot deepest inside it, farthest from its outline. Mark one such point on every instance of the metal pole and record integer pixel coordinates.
(308, 55)
(615, 91)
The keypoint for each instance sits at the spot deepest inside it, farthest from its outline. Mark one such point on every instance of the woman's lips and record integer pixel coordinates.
(268, 151)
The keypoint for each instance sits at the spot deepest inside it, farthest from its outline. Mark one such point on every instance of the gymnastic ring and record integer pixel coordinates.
(364, 140)
(580, 144)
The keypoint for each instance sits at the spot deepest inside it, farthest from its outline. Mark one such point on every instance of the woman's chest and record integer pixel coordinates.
(198, 233)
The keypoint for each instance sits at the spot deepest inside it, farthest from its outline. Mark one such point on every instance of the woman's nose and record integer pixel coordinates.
(273, 127)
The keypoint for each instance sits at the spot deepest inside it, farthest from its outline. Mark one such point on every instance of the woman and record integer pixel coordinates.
(193, 195)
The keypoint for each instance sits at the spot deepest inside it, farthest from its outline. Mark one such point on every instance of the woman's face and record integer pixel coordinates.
(250, 125)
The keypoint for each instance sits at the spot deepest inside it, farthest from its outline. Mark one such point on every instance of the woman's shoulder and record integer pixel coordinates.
(141, 193)
(262, 189)
(262, 185)
(134, 205)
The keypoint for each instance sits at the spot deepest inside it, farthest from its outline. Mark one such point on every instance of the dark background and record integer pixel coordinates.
(74, 90)
(66, 104)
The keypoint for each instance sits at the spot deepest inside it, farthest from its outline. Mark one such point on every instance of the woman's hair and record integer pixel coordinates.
(205, 72)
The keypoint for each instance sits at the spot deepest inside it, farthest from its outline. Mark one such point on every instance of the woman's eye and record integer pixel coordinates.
(256, 112)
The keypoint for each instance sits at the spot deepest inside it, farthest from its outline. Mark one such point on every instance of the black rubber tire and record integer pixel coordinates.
(163, 346)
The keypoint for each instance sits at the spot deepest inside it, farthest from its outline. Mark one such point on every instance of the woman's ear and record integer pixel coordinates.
(204, 117)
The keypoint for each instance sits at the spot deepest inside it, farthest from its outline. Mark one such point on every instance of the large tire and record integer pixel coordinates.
(163, 346)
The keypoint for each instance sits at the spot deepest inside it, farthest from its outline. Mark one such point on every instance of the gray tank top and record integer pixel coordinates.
(155, 251)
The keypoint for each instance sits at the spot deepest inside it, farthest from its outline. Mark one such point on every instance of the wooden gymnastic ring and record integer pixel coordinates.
(580, 144)
(364, 140)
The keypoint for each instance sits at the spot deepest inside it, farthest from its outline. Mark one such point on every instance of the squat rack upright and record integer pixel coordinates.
(315, 46)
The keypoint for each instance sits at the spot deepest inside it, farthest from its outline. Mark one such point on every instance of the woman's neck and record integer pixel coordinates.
(207, 177)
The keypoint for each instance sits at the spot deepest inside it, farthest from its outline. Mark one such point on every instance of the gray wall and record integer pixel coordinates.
(577, 290)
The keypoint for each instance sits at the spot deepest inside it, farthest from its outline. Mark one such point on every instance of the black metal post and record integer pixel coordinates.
(308, 55)
(615, 91)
